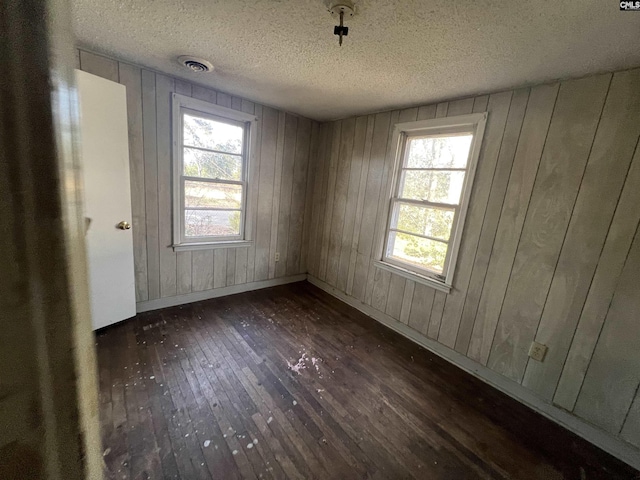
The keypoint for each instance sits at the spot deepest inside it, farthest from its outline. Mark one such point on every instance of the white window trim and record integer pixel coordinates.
(245, 239)
(475, 122)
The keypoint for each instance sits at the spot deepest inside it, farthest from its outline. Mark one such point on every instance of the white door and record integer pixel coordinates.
(107, 192)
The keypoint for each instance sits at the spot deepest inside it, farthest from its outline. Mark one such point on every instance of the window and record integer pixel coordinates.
(434, 172)
(210, 175)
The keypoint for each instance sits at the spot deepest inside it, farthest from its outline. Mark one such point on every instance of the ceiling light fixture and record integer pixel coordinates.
(340, 9)
(195, 64)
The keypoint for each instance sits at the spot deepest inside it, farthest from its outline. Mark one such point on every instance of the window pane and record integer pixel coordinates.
(212, 195)
(207, 133)
(211, 223)
(199, 163)
(449, 151)
(432, 185)
(432, 222)
(418, 251)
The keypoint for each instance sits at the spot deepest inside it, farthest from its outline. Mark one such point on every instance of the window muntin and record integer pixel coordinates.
(434, 172)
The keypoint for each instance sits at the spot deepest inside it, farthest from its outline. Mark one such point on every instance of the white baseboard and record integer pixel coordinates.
(218, 292)
(607, 442)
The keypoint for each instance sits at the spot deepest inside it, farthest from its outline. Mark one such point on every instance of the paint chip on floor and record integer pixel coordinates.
(207, 443)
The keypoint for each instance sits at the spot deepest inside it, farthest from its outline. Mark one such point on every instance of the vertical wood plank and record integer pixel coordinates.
(441, 109)
(421, 306)
(396, 296)
(312, 169)
(436, 315)
(616, 137)
(98, 65)
(219, 267)
(605, 399)
(319, 200)
(283, 215)
(204, 94)
(408, 115)
(164, 87)
(340, 200)
(523, 173)
(336, 128)
(236, 103)
(623, 228)
(380, 288)
(131, 78)
(360, 204)
(489, 227)
(351, 203)
(315, 181)
(426, 112)
(405, 311)
(460, 107)
(269, 133)
(223, 99)
(183, 273)
(374, 179)
(480, 103)
(275, 209)
(316, 202)
(151, 182)
(564, 158)
(231, 267)
(254, 190)
(298, 197)
(631, 428)
(201, 270)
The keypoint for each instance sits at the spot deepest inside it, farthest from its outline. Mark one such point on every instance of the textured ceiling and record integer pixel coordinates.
(398, 52)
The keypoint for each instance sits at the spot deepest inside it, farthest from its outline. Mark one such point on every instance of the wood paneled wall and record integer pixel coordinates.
(280, 173)
(550, 251)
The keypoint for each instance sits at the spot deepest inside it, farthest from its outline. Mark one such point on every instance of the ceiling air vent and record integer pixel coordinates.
(195, 64)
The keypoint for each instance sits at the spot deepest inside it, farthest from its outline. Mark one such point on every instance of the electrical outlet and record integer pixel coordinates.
(277, 256)
(537, 351)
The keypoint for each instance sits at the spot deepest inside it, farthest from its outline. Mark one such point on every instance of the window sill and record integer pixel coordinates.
(182, 247)
(416, 277)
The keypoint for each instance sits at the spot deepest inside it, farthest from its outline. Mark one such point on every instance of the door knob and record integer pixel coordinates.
(124, 225)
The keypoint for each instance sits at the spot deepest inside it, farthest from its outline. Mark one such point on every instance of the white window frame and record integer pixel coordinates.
(473, 124)
(180, 105)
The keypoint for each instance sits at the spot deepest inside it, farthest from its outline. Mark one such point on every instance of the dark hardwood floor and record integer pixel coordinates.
(289, 382)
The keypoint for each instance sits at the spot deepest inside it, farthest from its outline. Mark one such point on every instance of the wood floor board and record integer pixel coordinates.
(289, 382)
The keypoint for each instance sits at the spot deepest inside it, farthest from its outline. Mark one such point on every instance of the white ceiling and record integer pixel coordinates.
(398, 52)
